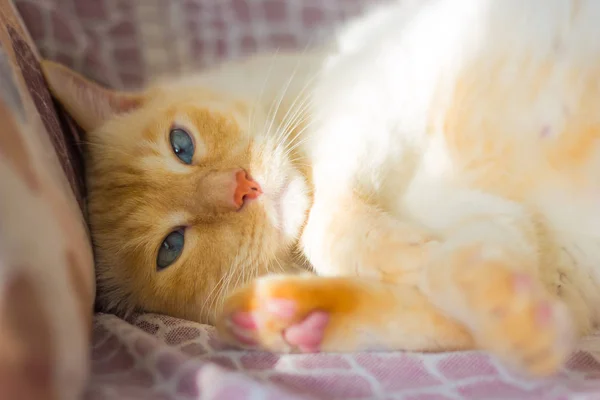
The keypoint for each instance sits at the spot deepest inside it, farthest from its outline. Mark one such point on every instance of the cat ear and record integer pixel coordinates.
(87, 102)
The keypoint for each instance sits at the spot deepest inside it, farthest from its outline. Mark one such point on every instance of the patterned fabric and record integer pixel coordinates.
(165, 358)
(125, 43)
(46, 271)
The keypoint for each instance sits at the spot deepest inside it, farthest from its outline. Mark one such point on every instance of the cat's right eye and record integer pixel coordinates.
(170, 249)
(182, 145)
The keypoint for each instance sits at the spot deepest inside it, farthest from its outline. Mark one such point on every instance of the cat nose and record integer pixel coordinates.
(246, 188)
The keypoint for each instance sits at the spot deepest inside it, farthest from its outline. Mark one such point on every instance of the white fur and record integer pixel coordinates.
(378, 107)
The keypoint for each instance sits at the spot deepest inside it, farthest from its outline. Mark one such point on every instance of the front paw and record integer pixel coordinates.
(298, 314)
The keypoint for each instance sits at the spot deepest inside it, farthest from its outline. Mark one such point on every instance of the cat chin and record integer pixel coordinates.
(287, 207)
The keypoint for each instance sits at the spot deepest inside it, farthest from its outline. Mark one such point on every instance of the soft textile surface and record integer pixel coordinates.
(125, 43)
(166, 358)
(46, 272)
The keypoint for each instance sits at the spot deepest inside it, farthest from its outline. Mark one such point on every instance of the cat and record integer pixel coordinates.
(444, 188)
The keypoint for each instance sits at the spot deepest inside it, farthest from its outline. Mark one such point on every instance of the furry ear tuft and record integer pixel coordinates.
(90, 104)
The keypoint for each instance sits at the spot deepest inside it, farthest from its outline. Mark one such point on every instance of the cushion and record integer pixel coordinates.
(125, 43)
(46, 271)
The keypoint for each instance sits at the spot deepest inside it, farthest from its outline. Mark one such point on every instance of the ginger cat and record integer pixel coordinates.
(446, 189)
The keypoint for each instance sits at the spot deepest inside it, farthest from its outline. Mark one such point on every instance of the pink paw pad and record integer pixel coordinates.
(305, 335)
(244, 320)
(544, 313)
(308, 334)
(242, 326)
(523, 283)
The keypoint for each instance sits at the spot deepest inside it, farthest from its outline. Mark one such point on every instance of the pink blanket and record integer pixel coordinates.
(165, 358)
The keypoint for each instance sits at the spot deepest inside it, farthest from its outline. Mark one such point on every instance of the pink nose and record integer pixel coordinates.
(246, 188)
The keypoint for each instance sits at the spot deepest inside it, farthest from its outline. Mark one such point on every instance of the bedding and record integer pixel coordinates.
(125, 43)
(158, 357)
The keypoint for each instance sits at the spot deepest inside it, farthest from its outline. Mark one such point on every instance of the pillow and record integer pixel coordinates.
(124, 44)
(46, 270)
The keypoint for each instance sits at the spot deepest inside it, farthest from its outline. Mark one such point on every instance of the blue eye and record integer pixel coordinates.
(170, 249)
(182, 145)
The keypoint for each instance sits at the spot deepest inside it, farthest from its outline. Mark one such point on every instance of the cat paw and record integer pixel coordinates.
(515, 317)
(304, 336)
(290, 314)
(529, 330)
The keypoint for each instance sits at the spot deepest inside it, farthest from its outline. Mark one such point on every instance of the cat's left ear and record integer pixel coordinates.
(90, 104)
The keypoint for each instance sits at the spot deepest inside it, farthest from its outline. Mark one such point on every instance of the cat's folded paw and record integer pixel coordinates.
(529, 330)
(282, 314)
(515, 317)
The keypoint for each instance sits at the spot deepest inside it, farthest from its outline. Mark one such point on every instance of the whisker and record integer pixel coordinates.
(291, 142)
(295, 145)
(296, 162)
(259, 99)
(219, 299)
(279, 265)
(278, 102)
(300, 120)
(299, 117)
(283, 93)
(237, 281)
(208, 298)
(296, 110)
(303, 106)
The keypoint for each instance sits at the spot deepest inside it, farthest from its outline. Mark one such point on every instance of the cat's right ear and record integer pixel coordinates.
(87, 102)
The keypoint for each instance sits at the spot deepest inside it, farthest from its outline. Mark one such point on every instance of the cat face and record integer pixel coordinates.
(190, 193)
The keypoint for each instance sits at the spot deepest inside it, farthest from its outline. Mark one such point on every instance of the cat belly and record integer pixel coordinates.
(519, 107)
(524, 129)
(533, 138)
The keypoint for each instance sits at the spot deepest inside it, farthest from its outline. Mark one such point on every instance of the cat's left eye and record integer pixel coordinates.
(170, 249)
(182, 145)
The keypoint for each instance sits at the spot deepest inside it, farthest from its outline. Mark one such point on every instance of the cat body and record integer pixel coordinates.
(444, 189)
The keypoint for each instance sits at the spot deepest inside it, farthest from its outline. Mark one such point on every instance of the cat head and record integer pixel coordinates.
(188, 196)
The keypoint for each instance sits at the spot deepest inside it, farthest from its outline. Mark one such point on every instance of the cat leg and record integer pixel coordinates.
(307, 313)
(486, 274)
(347, 236)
